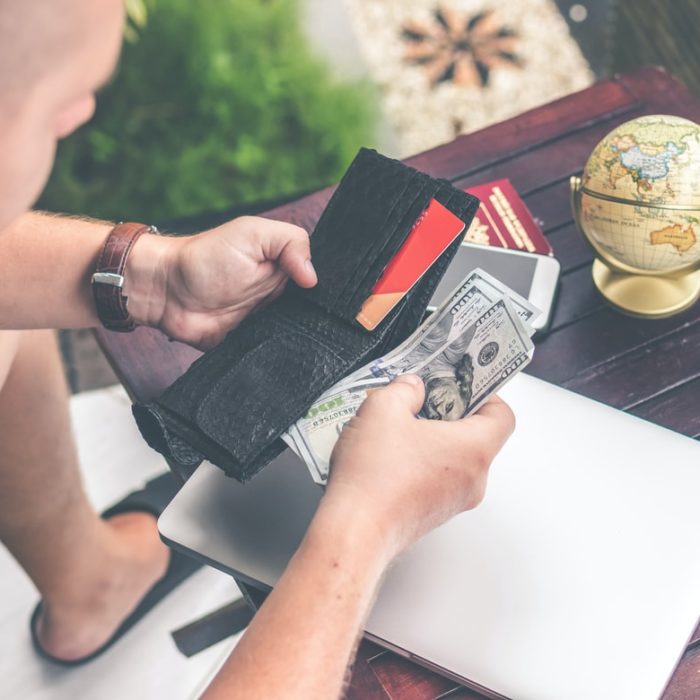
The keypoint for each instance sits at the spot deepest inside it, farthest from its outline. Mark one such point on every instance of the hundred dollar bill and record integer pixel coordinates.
(314, 436)
(295, 441)
(477, 293)
(491, 287)
(465, 362)
(476, 364)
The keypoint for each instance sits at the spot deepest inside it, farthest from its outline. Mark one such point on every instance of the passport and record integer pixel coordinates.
(504, 221)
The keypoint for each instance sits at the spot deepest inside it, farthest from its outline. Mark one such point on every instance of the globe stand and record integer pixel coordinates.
(647, 296)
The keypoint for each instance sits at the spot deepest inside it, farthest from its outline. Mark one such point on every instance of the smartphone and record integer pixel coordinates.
(536, 277)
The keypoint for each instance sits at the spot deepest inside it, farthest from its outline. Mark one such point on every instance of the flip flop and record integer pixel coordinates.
(153, 499)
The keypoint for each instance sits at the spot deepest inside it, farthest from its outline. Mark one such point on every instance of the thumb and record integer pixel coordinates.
(295, 259)
(408, 391)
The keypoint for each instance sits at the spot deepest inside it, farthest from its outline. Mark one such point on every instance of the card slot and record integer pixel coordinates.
(453, 200)
(365, 210)
(386, 236)
(460, 203)
(361, 208)
(383, 256)
(385, 245)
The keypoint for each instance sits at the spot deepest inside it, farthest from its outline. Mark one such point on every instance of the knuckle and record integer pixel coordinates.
(509, 417)
(475, 494)
(245, 221)
(372, 403)
(481, 459)
(385, 401)
(300, 232)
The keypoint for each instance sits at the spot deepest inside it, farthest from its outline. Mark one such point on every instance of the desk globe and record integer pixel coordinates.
(638, 204)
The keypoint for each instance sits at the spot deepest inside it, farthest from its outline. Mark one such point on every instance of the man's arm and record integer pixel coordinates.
(393, 478)
(45, 268)
(195, 288)
(303, 637)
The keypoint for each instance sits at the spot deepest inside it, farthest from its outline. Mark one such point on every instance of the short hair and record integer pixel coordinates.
(34, 34)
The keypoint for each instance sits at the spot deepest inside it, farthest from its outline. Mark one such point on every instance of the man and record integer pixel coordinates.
(91, 572)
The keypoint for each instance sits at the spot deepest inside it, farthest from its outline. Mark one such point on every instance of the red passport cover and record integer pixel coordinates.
(503, 220)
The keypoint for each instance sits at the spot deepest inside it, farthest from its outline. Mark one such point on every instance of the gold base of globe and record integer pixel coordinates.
(647, 296)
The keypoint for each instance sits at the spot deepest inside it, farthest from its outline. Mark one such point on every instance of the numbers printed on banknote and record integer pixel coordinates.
(464, 352)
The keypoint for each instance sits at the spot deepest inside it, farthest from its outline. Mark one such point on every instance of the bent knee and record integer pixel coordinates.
(9, 346)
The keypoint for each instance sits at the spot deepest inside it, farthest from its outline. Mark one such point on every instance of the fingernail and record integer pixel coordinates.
(310, 267)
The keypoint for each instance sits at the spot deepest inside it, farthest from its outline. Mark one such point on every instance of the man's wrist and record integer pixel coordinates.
(146, 278)
(351, 529)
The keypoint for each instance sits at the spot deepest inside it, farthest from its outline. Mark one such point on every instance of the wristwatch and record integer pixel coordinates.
(108, 278)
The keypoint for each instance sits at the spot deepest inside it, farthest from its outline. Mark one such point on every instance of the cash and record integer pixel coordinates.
(465, 352)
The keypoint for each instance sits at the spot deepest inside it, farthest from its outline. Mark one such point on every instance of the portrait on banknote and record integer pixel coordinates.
(448, 380)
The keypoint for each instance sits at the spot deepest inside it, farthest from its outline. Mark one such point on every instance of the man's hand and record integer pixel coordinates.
(408, 475)
(393, 478)
(210, 282)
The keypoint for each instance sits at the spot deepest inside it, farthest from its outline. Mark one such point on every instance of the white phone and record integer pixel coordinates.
(534, 276)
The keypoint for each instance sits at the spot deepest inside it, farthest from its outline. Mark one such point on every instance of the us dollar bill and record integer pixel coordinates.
(477, 291)
(317, 432)
(475, 364)
(464, 357)
(461, 309)
(481, 289)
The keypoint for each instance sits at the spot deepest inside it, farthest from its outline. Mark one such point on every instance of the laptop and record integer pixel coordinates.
(576, 578)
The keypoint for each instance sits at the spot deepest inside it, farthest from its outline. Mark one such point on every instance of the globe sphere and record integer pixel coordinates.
(640, 196)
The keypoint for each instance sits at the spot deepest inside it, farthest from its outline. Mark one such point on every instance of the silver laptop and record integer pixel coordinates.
(576, 579)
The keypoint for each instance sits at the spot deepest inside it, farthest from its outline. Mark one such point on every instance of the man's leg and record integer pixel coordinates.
(90, 573)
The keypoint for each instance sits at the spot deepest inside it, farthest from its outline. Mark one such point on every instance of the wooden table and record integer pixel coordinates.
(649, 368)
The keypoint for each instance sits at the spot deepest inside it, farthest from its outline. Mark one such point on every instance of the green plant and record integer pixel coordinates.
(216, 103)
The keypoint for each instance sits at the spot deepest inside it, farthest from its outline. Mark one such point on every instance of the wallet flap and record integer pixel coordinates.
(369, 217)
(364, 224)
(238, 394)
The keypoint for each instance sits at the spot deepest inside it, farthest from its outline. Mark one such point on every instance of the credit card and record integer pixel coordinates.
(430, 237)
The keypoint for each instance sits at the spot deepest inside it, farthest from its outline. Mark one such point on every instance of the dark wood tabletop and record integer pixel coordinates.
(650, 368)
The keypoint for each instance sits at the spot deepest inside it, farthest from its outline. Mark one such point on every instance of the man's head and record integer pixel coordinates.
(54, 55)
(448, 393)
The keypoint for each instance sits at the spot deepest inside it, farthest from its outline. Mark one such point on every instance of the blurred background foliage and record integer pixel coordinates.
(216, 103)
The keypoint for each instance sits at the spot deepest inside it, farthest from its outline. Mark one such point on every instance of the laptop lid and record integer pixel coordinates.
(576, 578)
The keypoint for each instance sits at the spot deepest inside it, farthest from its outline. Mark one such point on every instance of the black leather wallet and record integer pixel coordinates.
(233, 403)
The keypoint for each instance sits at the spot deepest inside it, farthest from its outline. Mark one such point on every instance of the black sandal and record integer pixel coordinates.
(153, 499)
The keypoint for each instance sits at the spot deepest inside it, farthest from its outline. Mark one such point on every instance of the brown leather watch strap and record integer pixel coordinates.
(108, 279)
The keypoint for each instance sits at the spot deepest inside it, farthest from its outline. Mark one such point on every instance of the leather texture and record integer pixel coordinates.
(234, 402)
(110, 303)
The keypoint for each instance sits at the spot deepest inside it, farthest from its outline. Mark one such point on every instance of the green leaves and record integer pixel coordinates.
(137, 17)
(218, 103)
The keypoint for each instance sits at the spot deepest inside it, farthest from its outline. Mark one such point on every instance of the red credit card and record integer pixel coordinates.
(503, 220)
(431, 235)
